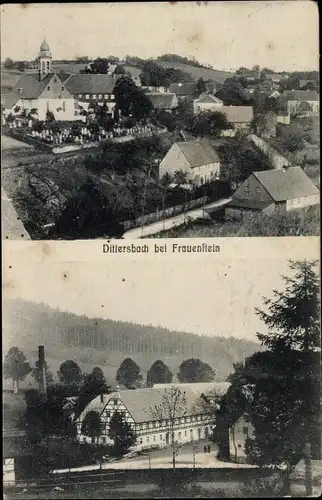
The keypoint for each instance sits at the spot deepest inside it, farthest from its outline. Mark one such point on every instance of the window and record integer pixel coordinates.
(100, 96)
(246, 188)
(63, 88)
(80, 96)
(48, 88)
(87, 96)
(153, 438)
(245, 430)
(147, 439)
(258, 190)
(104, 440)
(64, 109)
(84, 439)
(105, 96)
(115, 402)
(48, 64)
(143, 426)
(154, 424)
(179, 435)
(94, 96)
(185, 433)
(160, 437)
(141, 441)
(112, 97)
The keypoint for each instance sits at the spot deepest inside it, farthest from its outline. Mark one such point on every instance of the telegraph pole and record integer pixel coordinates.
(308, 469)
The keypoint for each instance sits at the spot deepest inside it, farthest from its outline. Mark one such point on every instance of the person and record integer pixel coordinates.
(208, 448)
(205, 449)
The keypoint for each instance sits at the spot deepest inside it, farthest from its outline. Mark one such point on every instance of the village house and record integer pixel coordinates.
(164, 101)
(250, 74)
(269, 191)
(239, 432)
(96, 88)
(41, 92)
(197, 158)
(302, 102)
(183, 90)
(284, 117)
(241, 118)
(191, 421)
(207, 102)
(274, 77)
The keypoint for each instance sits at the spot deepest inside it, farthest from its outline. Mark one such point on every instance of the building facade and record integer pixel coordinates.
(197, 159)
(207, 102)
(191, 423)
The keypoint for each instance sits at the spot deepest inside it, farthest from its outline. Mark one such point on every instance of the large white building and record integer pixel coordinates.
(192, 423)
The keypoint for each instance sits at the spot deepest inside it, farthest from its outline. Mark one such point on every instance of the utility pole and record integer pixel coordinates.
(42, 369)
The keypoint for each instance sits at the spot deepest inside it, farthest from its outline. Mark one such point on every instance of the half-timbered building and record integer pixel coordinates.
(192, 422)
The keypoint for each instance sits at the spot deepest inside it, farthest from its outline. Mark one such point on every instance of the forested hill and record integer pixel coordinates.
(27, 324)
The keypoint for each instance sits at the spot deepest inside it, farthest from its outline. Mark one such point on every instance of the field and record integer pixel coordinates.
(196, 72)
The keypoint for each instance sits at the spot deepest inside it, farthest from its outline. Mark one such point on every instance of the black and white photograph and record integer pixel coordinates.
(165, 119)
(181, 378)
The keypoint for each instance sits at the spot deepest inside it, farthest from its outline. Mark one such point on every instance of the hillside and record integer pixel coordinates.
(196, 72)
(95, 341)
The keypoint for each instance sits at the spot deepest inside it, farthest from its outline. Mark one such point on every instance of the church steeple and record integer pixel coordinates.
(44, 60)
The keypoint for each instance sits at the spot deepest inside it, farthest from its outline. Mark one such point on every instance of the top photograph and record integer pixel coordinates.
(160, 120)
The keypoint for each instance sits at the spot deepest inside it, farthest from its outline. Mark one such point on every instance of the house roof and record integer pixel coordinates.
(162, 100)
(238, 114)
(183, 89)
(301, 95)
(28, 87)
(199, 152)
(139, 402)
(248, 204)
(208, 99)
(273, 76)
(286, 184)
(90, 84)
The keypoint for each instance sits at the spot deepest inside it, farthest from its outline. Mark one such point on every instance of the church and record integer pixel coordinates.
(41, 92)
(65, 95)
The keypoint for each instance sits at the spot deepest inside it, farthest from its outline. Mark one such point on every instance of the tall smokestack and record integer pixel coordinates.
(42, 369)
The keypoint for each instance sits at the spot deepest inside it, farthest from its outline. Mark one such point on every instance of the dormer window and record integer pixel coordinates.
(55, 80)
(63, 88)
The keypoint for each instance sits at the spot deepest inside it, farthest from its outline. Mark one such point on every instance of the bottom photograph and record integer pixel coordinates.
(163, 379)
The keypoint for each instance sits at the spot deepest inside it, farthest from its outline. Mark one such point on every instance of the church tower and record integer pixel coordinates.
(44, 60)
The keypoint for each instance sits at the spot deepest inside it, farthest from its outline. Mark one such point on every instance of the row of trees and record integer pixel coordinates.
(278, 390)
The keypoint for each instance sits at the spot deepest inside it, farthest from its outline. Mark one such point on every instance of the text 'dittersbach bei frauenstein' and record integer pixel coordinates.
(159, 248)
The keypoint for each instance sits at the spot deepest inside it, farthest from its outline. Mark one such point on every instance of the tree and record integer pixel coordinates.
(8, 63)
(20, 66)
(292, 316)
(129, 374)
(232, 93)
(172, 406)
(99, 66)
(36, 372)
(194, 370)
(15, 367)
(281, 386)
(50, 117)
(69, 373)
(180, 177)
(130, 100)
(303, 108)
(122, 434)
(209, 124)
(120, 70)
(94, 382)
(159, 373)
(91, 425)
(201, 86)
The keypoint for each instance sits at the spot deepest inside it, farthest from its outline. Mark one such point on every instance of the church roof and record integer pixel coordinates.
(28, 87)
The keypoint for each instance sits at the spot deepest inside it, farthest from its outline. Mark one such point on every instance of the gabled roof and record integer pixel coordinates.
(28, 87)
(140, 401)
(198, 153)
(301, 95)
(90, 84)
(183, 89)
(208, 99)
(238, 114)
(162, 100)
(286, 184)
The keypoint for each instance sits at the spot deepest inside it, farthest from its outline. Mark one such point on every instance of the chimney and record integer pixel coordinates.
(42, 369)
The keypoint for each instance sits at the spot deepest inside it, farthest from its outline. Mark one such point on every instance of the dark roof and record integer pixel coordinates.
(30, 88)
(248, 204)
(301, 95)
(183, 89)
(199, 152)
(286, 184)
(162, 100)
(90, 84)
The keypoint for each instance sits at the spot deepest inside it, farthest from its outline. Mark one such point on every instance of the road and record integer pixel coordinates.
(177, 220)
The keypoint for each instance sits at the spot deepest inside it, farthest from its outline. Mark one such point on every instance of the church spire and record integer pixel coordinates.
(44, 58)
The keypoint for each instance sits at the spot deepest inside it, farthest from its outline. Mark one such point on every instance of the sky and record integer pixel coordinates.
(211, 295)
(227, 35)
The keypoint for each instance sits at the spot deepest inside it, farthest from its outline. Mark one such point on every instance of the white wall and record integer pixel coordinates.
(303, 201)
(9, 476)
